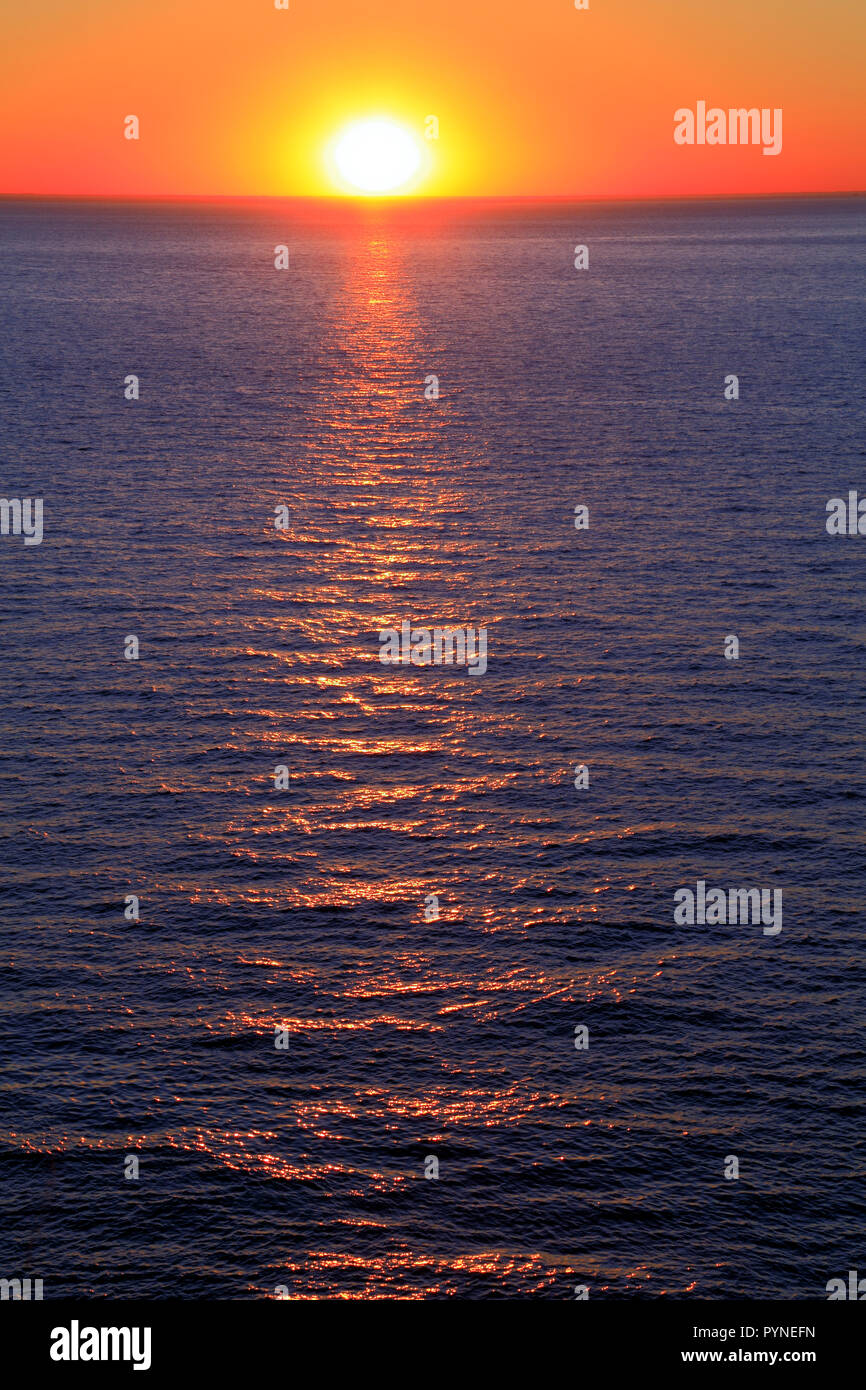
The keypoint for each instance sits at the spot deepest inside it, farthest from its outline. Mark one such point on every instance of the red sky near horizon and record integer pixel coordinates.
(533, 97)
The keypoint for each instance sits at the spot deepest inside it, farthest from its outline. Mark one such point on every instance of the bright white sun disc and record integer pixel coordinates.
(377, 156)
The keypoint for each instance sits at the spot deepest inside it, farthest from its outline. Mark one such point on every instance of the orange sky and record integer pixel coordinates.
(533, 96)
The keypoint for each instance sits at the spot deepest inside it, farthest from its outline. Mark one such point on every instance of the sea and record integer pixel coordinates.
(331, 978)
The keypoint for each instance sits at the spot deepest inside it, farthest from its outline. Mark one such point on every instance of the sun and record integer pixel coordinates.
(377, 156)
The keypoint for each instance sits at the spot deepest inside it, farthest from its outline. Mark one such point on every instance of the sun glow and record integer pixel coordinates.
(377, 156)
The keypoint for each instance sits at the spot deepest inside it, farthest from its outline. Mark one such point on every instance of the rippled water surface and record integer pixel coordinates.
(305, 908)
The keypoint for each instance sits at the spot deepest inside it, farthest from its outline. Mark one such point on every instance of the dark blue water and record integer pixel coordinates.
(304, 908)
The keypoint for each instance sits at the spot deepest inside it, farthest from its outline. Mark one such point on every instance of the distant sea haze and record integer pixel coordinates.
(332, 976)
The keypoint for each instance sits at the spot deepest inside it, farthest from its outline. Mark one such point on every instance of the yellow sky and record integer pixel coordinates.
(532, 98)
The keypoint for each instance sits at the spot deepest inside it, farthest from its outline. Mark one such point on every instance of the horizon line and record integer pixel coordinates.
(368, 200)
